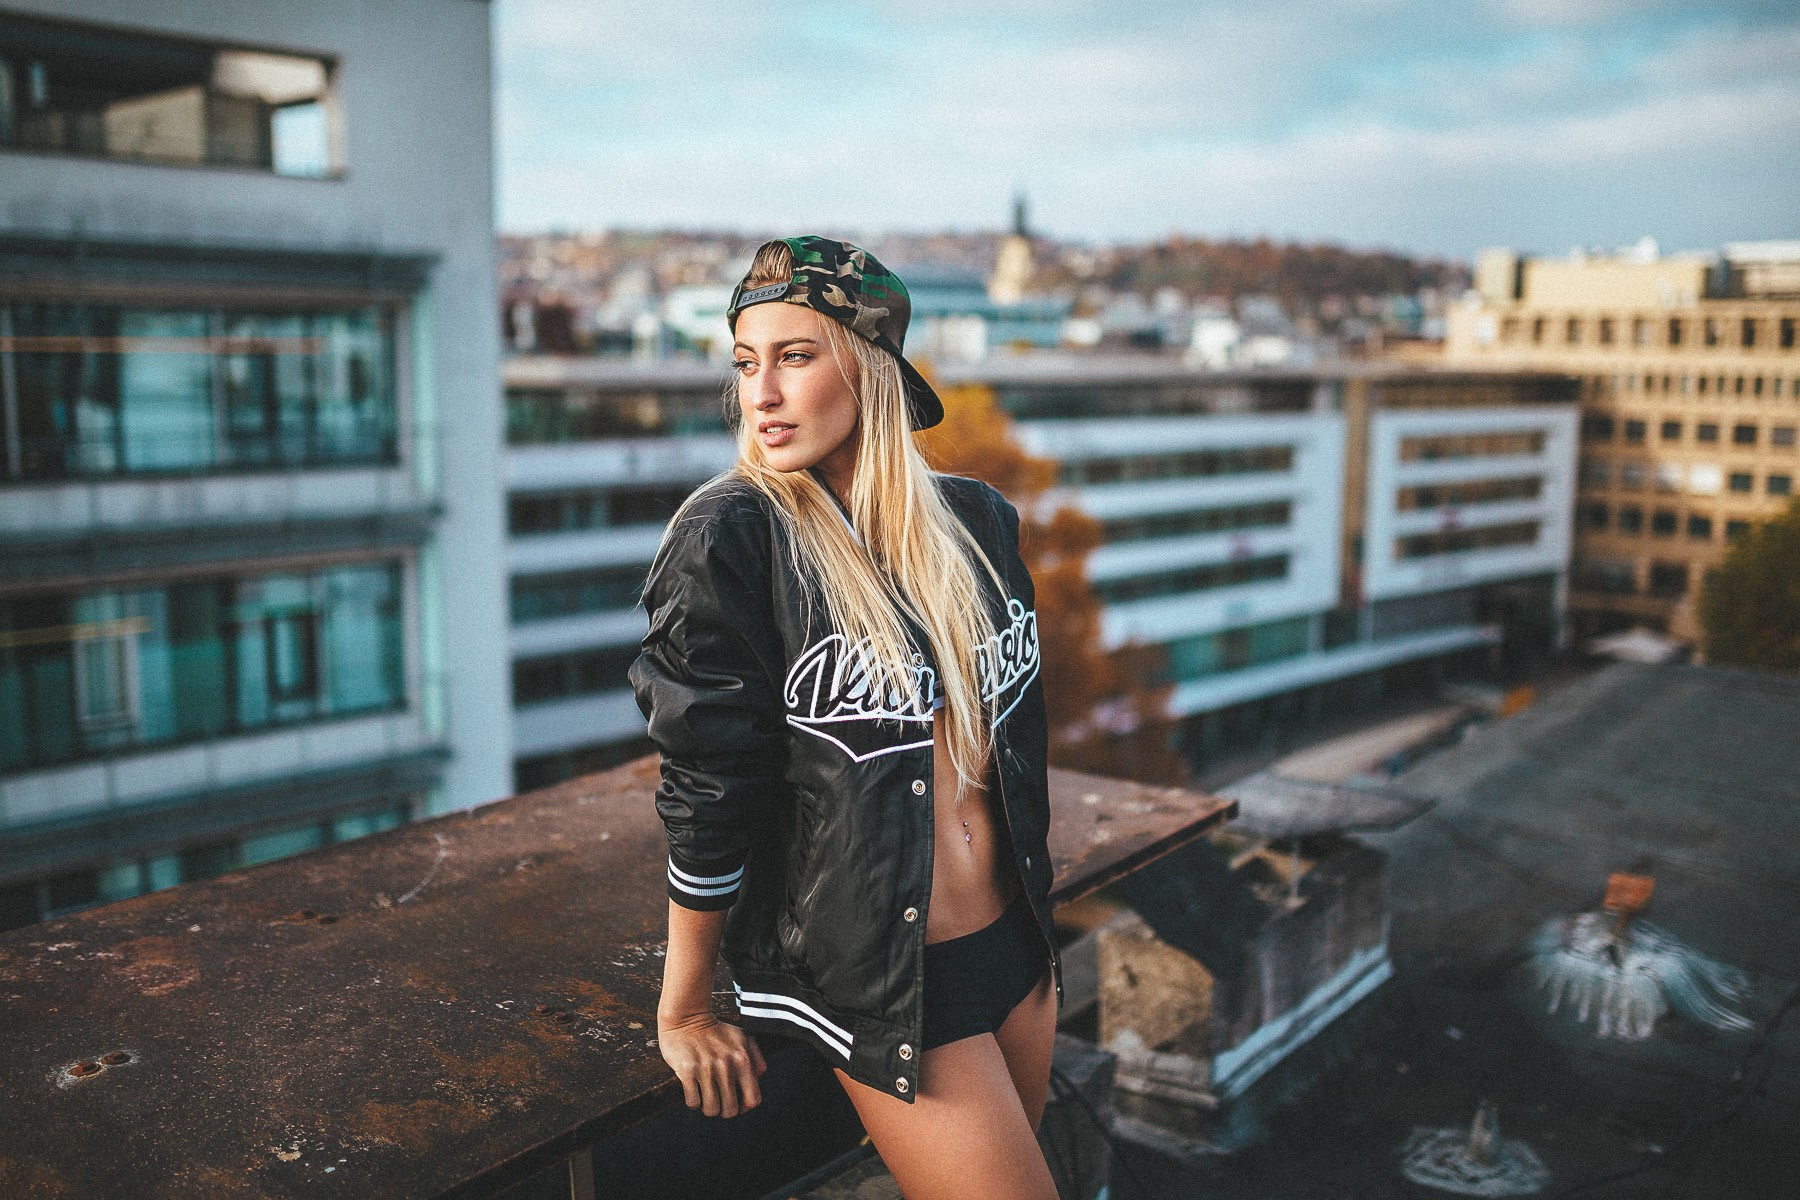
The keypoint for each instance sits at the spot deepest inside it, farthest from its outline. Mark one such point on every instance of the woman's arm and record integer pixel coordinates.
(704, 681)
(718, 1064)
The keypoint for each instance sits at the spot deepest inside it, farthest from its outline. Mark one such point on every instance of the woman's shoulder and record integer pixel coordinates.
(968, 490)
(970, 496)
(727, 499)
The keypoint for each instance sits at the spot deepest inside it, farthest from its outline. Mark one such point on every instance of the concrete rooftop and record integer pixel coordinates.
(1689, 774)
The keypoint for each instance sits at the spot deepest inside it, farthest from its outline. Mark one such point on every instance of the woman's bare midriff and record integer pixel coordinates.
(972, 878)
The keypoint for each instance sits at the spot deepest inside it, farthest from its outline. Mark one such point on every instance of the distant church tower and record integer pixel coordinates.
(1012, 272)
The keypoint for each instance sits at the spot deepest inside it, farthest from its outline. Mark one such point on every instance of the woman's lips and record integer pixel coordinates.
(778, 436)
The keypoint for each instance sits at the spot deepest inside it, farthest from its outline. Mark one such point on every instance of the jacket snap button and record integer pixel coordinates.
(918, 787)
(911, 914)
(1028, 861)
(905, 1050)
(900, 1084)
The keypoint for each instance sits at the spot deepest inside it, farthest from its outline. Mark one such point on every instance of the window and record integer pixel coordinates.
(1235, 649)
(1612, 575)
(1640, 335)
(1737, 385)
(1597, 427)
(541, 771)
(1455, 541)
(1606, 331)
(1205, 577)
(1779, 485)
(1632, 476)
(1699, 527)
(591, 508)
(1747, 333)
(1674, 331)
(120, 879)
(1709, 331)
(1781, 435)
(107, 391)
(1668, 581)
(1631, 519)
(1480, 491)
(1595, 472)
(1706, 431)
(1743, 481)
(105, 679)
(548, 416)
(1743, 435)
(1756, 386)
(1671, 431)
(1736, 529)
(1190, 464)
(1475, 445)
(1538, 325)
(566, 593)
(83, 90)
(90, 673)
(584, 673)
(1272, 514)
(1787, 333)
(1594, 516)
(1572, 331)
(1662, 522)
(1634, 432)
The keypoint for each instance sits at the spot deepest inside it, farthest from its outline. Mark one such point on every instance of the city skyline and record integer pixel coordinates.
(1520, 122)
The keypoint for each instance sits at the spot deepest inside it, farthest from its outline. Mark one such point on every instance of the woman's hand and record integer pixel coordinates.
(718, 1064)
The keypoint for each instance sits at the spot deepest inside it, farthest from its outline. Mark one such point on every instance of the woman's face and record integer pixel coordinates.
(792, 395)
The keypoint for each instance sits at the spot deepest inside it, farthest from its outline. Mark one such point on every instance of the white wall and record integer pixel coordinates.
(1385, 575)
(1314, 485)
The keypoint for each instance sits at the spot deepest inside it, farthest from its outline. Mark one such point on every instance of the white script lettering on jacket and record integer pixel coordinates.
(836, 691)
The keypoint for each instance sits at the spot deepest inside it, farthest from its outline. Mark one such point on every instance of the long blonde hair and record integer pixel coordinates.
(915, 555)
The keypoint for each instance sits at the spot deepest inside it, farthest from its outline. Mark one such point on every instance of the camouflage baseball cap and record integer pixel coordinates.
(849, 285)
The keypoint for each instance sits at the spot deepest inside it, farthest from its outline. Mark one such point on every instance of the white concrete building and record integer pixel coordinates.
(1292, 538)
(1303, 540)
(600, 452)
(250, 474)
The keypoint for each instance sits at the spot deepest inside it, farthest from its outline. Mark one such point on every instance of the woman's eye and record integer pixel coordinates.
(796, 356)
(741, 364)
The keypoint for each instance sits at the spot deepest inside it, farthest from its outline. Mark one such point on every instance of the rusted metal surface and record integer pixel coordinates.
(434, 1011)
(1102, 829)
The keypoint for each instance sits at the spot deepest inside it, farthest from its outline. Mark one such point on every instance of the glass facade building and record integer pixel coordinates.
(102, 672)
(106, 390)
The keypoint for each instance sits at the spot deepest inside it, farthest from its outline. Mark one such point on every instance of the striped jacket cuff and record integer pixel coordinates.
(705, 892)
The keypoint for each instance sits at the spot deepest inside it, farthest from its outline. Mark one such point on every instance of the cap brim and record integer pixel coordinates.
(922, 403)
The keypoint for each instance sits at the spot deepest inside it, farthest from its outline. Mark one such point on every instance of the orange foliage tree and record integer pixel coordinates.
(1107, 714)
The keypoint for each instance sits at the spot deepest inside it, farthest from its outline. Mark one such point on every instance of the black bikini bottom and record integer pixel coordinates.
(974, 981)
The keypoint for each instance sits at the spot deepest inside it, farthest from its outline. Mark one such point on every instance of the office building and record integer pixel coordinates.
(600, 451)
(1690, 396)
(250, 473)
(1304, 542)
(1299, 542)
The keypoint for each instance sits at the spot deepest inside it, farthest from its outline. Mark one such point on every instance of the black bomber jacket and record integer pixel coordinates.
(801, 798)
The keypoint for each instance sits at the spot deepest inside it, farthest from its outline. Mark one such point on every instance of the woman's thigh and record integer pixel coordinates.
(966, 1134)
(1027, 1040)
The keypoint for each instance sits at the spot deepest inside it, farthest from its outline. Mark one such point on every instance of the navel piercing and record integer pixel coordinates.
(967, 836)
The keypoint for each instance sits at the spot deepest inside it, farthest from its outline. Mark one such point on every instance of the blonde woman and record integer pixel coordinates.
(841, 674)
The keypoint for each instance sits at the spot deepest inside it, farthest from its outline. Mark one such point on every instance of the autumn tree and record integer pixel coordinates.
(1107, 713)
(1750, 604)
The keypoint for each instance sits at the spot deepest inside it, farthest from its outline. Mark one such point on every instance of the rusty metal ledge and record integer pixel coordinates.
(439, 1010)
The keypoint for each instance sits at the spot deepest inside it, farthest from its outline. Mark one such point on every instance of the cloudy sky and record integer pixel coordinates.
(1424, 125)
